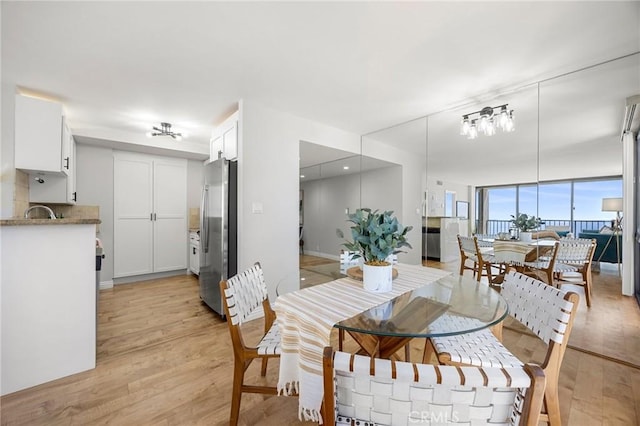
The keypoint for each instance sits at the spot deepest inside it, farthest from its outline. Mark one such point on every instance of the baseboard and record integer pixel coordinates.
(106, 284)
(324, 255)
(146, 277)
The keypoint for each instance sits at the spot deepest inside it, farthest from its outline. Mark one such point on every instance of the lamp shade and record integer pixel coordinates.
(612, 204)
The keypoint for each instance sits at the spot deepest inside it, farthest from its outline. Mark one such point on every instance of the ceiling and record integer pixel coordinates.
(120, 67)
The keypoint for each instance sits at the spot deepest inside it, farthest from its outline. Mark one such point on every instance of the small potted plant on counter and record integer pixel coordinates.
(525, 224)
(376, 236)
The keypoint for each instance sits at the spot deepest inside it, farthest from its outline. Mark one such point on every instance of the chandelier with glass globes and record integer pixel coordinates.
(487, 121)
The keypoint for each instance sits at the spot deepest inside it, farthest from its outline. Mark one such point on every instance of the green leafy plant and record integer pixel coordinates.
(526, 223)
(375, 236)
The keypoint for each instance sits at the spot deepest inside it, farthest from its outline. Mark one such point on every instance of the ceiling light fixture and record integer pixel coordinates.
(165, 130)
(487, 121)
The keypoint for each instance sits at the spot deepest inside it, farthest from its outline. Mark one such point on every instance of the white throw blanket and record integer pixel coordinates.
(306, 317)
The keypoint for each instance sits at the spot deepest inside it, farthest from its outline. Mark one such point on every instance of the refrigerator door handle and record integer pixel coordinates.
(204, 238)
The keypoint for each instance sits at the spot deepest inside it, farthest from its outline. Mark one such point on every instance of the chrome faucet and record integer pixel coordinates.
(52, 215)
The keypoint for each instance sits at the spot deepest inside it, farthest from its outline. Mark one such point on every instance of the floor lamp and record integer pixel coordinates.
(613, 205)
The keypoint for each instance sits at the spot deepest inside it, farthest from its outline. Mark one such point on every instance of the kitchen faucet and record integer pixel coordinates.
(52, 215)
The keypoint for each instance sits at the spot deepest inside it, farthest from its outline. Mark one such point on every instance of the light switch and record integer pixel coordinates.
(256, 208)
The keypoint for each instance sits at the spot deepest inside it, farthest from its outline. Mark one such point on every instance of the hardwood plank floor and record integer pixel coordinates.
(165, 359)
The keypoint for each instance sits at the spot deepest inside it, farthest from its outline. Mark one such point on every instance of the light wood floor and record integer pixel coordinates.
(165, 359)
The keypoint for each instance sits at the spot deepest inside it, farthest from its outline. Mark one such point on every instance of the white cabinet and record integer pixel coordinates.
(224, 140)
(41, 137)
(150, 214)
(45, 188)
(194, 252)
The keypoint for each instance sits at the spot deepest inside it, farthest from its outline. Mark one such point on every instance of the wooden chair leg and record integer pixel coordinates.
(489, 272)
(340, 338)
(587, 288)
(553, 404)
(263, 370)
(407, 352)
(429, 350)
(236, 395)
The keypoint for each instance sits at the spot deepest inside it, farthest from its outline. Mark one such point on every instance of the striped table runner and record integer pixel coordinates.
(306, 317)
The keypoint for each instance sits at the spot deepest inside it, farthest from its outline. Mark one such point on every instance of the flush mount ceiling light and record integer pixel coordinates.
(487, 121)
(165, 130)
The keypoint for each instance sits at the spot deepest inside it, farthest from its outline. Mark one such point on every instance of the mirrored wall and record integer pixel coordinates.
(332, 184)
(566, 129)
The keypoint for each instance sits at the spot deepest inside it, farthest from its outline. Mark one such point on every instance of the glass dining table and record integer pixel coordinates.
(423, 302)
(448, 306)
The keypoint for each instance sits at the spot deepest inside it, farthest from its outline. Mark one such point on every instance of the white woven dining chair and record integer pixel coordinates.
(545, 310)
(371, 391)
(573, 264)
(544, 265)
(483, 261)
(241, 295)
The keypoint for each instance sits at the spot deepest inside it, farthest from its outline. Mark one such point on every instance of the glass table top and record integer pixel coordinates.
(451, 305)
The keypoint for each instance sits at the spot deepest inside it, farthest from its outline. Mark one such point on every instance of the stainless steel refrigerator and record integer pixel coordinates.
(218, 230)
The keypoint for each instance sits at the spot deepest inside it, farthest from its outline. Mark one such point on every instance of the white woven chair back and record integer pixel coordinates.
(245, 292)
(384, 392)
(485, 240)
(538, 306)
(468, 246)
(575, 250)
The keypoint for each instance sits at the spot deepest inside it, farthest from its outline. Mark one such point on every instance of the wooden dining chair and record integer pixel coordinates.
(365, 391)
(545, 310)
(483, 261)
(544, 265)
(573, 264)
(242, 294)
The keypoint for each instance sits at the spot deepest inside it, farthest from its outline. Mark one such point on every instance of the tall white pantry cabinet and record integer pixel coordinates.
(150, 214)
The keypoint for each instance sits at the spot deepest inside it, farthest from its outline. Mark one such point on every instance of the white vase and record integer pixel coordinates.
(526, 236)
(377, 279)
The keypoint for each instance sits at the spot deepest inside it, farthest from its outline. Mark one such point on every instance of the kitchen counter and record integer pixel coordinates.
(48, 305)
(70, 221)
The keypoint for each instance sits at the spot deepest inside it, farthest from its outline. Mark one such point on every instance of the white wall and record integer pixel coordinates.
(268, 177)
(7, 171)
(94, 185)
(195, 180)
(326, 201)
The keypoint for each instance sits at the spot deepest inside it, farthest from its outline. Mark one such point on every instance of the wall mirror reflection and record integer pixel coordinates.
(331, 181)
(406, 145)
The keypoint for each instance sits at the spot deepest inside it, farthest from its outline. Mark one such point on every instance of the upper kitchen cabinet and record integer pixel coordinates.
(224, 139)
(42, 142)
(45, 188)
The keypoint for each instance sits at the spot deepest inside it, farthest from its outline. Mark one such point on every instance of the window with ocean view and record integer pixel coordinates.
(574, 205)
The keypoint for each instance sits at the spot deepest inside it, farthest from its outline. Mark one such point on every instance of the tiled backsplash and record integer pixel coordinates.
(67, 211)
(21, 194)
(194, 218)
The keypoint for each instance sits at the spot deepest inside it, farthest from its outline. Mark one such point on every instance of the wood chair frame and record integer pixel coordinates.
(428, 378)
(482, 262)
(243, 354)
(555, 348)
(582, 267)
